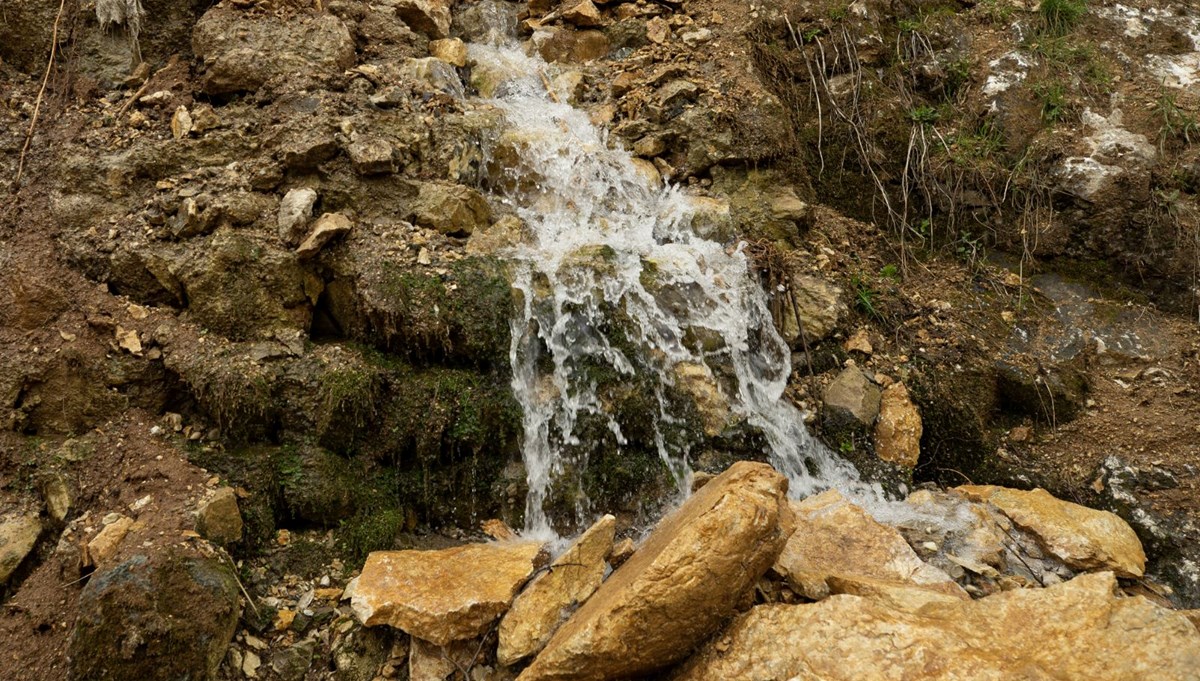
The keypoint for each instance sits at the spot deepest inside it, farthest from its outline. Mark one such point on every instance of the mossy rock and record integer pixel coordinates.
(461, 317)
(323, 489)
(165, 615)
(252, 469)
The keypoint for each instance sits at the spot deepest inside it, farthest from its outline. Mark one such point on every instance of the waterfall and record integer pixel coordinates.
(608, 254)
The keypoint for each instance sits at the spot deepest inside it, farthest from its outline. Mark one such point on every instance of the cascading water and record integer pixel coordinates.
(613, 278)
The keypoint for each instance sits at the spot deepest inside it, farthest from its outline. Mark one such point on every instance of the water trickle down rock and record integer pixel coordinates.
(839, 548)
(664, 297)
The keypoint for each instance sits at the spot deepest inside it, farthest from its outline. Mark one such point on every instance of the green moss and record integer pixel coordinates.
(367, 532)
(462, 316)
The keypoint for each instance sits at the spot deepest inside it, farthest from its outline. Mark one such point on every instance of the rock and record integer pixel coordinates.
(308, 149)
(181, 123)
(821, 308)
(455, 210)
(204, 118)
(785, 205)
(294, 213)
(429, 662)
(685, 579)
(898, 430)
(649, 146)
(430, 18)
(583, 14)
(851, 400)
(650, 175)
(188, 220)
(565, 45)
(1081, 537)
(711, 219)
(104, 545)
(443, 596)
(250, 664)
(219, 520)
(694, 38)
(57, 496)
(658, 31)
(372, 157)
(697, 380)
(621, 552)
(859, 342)
(431, 74)
(168, 615)
(292, 663)
(327, 228)
(836, 539)
(450, 50)
(552, 596)
(18, 536)
(241, 52)
(1075, 631)
(677, 93)
(507, 232)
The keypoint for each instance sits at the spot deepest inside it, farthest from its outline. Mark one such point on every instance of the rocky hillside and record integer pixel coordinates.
(255, 341)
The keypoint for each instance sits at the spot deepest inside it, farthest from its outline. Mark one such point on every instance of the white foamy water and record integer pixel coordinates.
(609, 256)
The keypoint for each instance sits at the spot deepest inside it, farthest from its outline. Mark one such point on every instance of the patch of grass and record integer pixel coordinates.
(997, 11)
(1054, 101)
(982, 142)
(1177, 124)
(864, 297)
(1060, 16)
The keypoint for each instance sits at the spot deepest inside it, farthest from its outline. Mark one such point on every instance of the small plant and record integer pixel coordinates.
(1054, 101)
(1060, 16)
(864, 297)
(925, 115)
(846, 447)
(1177, 124)
(997, 11)
(890, 272)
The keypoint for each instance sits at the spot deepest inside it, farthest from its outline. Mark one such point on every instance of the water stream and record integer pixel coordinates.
(613, 278)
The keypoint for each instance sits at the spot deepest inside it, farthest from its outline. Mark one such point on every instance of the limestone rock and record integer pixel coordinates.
(372, 157)
(621, 552)
(429, 662)
(169, 615)
(450, 50)
(684, 580)
(537, 613)
(697, 380)
(507, 232)
(430, 18)
(821, 308)
(105, 543)
(836, 539)
(851, 400)
(327, 228)
(1075, 631)
(57, 495)
(1081, 537)
(443, 596)
(456, 210)
(565, 45)
(431, 74)
(583, 14)
(219, 520)
(898, 430)
(241, 52)
(181, 123)
(18, 536)
(295, 210)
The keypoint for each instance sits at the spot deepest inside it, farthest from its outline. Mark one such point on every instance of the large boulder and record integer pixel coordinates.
(1076, 631)
(838, 545)
(554, 595)
(241, 52)
(1082, 538)
(443, 596)
(684, 580)
(167, 615)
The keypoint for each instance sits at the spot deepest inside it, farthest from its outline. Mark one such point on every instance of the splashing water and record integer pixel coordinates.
(613, 278)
